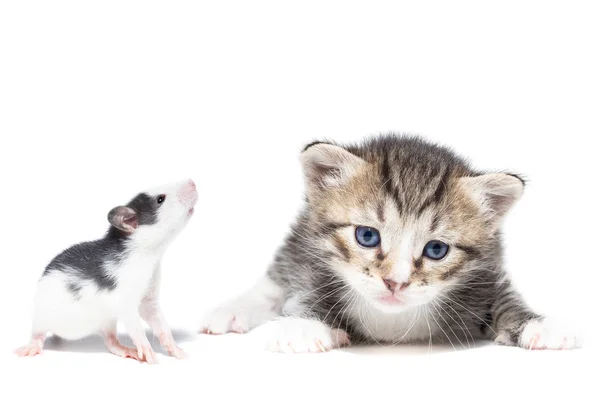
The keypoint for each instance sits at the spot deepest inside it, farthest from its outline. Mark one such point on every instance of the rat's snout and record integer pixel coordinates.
(188, 193)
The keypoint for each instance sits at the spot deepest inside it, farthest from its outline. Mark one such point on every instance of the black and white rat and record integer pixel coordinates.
(90, 286)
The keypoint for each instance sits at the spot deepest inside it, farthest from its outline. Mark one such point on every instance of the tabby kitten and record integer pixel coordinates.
(399, 241)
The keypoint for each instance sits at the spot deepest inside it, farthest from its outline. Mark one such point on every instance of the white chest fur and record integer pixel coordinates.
(414, 324)
(133, 276)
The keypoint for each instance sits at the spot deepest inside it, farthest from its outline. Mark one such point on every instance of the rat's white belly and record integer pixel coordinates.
(93, 309)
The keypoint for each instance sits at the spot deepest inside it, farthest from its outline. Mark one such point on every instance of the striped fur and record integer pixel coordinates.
(411, 191)
(414, 180)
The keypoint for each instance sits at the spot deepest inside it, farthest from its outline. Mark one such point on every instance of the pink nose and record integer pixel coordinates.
(188, 193)
(394, 286)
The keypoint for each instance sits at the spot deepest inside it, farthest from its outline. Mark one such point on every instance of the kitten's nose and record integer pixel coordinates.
(394, 286)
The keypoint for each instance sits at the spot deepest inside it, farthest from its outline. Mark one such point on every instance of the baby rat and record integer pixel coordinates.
(88, 287)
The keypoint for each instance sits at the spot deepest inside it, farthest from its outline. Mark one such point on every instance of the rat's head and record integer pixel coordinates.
(403, 221)
(157, 215)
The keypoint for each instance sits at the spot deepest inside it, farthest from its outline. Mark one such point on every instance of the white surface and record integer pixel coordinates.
(99, 100)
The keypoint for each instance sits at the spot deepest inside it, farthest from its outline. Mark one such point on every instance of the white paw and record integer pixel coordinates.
(547, 334)
(299, 335)
(225, 320)
(236, 318)
(255, 307)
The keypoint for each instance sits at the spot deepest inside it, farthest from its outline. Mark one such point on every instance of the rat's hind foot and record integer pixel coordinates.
(145, 352)
(34, 347)
(116, 348)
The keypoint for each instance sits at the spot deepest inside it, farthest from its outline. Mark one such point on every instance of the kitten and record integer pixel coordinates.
(399, 242)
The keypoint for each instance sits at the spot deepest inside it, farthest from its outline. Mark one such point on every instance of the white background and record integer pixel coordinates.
(101, 99)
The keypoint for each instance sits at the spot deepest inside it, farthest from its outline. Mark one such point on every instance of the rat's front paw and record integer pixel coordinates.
(299, 335)
(540, 334)
(146, 353)
(168, 343)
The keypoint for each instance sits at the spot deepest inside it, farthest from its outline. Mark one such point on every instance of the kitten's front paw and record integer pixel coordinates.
(299, 335)
(223, 320)
(546, 334)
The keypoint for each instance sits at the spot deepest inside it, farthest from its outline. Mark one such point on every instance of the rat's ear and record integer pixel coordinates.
(326, 165)
(494, 194)
(123, 218)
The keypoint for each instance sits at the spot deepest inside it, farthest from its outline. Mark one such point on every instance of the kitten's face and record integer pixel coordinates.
(400, 250)
(376, 242)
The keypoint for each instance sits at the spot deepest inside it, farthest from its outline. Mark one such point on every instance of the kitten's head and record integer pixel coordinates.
(402, 220)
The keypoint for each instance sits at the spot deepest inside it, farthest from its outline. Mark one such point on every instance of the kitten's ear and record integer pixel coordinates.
(495, 194)
(123, 218)
(326, 165)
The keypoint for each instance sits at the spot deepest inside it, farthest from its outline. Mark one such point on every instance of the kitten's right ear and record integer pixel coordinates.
(326, 165)
(494, 194)
(123, 218)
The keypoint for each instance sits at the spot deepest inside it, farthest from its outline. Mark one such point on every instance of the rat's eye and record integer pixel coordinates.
(435, 250)
(367, 237)
(160, 198)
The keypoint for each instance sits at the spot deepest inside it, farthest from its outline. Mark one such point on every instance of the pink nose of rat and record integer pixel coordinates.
(394, 286)
(188, 193)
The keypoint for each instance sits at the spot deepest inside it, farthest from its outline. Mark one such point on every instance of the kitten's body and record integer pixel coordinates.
(329, 290)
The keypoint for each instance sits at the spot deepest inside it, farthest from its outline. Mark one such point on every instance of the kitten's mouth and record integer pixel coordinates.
(391, 300)
(191, 211)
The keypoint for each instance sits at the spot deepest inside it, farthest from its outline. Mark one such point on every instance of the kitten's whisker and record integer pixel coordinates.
(447, 324)
(467, 309)
(442, 329)
(463, 322)
(332, 281)
(342, 310)
(428, 326)
(332, 307)
(346, 310)
(414, 322)
(325, 296)
(468, 283)
(366, 326)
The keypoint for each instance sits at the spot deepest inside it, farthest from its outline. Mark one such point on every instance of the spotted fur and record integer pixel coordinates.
(90, 286)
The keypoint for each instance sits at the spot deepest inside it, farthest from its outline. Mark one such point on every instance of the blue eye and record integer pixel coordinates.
(367, 237)
(435, 250)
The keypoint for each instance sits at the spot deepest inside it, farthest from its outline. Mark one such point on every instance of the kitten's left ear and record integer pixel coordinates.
(326, 165)
(495, 194)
